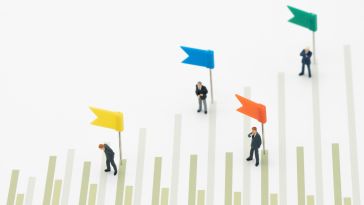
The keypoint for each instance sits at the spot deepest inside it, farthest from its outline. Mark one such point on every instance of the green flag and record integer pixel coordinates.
(303, 18)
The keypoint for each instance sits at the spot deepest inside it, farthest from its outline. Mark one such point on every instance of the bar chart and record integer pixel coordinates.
(56, 190)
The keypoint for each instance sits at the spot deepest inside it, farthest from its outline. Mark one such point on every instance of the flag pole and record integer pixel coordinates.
(212, 92)
(314, 47)
(263, 138)
(121, 158)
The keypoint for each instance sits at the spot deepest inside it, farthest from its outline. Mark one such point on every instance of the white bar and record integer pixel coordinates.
(246, 149)
(175, 159)
(138, 189)
(210, 191)
(30, 191)
(282, 139)
(352, 127)
(68, 177)
(317, 136)
(101, 192)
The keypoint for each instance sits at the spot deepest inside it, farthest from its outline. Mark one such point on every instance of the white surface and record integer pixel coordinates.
(59, 57)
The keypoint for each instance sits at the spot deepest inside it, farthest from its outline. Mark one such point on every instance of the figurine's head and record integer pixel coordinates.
(307, 49)
(101, 146)
(254, 130)
(199, 84)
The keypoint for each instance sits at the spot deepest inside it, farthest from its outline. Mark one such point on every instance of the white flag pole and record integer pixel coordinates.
(212, 92)
(314, 48)
(120, 154)
(263, 138)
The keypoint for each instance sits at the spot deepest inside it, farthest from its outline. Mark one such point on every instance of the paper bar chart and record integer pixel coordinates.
(57, 191)
(160, 195)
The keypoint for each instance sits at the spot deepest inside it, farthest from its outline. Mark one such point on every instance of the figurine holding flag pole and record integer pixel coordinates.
(254, 110)
(306, 20)
(112, 120)
(204, 58)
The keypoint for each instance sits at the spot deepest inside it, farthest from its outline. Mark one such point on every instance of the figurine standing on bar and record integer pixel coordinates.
(109, 153)
(201, 92)
(306, 60)
(254, 148)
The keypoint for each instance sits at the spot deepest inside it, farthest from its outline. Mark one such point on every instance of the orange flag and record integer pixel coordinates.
(252, 109)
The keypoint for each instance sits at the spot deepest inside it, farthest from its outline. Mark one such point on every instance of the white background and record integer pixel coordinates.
(57, 58)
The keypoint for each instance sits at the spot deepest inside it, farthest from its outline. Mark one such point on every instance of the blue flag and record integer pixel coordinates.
(199, 57)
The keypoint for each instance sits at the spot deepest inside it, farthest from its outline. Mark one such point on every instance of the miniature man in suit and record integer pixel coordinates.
(306, 60)
(109, 158)
(256, 142)
(201, 92)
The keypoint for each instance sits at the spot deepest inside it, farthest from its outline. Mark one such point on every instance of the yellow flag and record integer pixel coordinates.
(108, 119)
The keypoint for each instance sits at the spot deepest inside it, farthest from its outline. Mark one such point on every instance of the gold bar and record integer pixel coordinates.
(201, 197)
(273, 199)
(192, 180)
(229, 178)
(310, 200)
(120, 184)
(347, 201)
(157, 180)
(50, 180)
(12, 187)
(56, 192)
(164, 199)
(85, 182)
(336, 174)
(264, 178)
(300, 176)
(237, 198)
(92, 194)
(128, 195)
(19, 199)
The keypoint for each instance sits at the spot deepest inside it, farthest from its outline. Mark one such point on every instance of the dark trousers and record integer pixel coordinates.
(256, 151)
(112, 162)
(308, 68)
